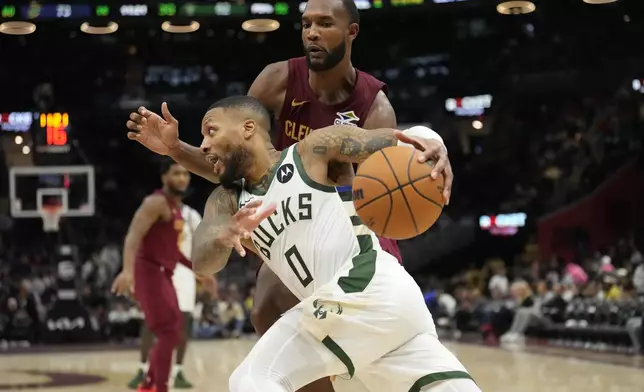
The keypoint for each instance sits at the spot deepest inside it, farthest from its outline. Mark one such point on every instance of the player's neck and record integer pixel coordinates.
(329, 82)
(176, 198)
(263, 161)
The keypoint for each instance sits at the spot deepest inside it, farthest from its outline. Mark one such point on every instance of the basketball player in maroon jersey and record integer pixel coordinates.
(304, 94)
(150, 254)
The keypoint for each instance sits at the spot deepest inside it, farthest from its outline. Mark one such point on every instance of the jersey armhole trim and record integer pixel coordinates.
(305, 177)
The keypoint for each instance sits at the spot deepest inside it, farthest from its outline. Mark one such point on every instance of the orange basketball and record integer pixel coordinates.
(395, 195)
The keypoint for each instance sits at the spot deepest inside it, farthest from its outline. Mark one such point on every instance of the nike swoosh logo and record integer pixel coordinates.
(294, 103)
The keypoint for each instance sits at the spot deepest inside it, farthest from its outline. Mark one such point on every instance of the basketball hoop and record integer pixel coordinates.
(50, 215)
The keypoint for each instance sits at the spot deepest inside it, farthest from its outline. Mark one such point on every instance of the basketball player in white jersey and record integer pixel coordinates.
(184, 283)
(361, 314)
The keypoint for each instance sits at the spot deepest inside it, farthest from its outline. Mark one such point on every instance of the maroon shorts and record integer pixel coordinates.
(157, 297)
(391, 246)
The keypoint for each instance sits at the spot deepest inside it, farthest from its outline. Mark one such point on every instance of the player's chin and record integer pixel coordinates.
(316, 58)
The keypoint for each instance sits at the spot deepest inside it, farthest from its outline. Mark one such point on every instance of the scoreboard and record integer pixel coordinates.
(48, 130)
(14, 9)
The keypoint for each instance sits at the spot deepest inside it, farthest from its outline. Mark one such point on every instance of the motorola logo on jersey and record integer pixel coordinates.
(285, 173)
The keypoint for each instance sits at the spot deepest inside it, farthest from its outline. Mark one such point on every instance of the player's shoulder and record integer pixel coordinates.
(154, 204)
(155, 200)
(381, 114)
(275, 73)
(226, 193)
(281, 72)
(270, 85)
(370, 78)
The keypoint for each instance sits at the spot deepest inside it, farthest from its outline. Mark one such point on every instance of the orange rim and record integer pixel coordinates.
(52, 209)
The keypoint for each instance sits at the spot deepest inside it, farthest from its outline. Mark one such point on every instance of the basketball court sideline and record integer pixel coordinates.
(209, 363)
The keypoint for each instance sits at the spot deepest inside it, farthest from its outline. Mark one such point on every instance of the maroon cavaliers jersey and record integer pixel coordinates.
(303, 113)
(161, 243)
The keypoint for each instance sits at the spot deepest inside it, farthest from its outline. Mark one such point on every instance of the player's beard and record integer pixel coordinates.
(177, 192)
(333, 58)
(234, 167)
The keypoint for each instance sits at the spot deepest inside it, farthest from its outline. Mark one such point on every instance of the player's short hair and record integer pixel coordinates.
(352, 10)
(245, 102)
(166, 164)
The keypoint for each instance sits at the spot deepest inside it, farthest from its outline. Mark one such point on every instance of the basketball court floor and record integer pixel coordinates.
(209, 363)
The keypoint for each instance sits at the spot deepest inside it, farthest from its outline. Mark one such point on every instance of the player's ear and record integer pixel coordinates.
(354, 28)
(250, 128)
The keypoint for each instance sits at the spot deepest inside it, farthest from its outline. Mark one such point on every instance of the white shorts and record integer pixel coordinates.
(453, 385)
(185, 284)
(373, 326)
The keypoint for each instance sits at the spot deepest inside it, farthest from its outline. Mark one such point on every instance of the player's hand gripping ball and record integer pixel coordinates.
(395, 195)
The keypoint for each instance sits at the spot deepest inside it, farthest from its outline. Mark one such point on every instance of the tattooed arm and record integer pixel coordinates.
(209, 253)
(342, 143)
(222, 230)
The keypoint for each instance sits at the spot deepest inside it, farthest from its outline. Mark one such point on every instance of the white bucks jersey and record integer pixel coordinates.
(313, 232)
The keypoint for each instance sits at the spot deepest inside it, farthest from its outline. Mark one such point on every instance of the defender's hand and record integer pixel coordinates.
(123, 284)
(433, 150)
(158, 134)
(243, 223)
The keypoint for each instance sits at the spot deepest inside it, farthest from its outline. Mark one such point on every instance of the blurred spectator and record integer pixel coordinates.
(499, 284)
(575, 273)
(224, 317)
(638, 278)
(634, 328)
(23, 316)
(528, 313)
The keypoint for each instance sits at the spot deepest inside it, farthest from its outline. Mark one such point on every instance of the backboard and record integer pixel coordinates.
(34, 188)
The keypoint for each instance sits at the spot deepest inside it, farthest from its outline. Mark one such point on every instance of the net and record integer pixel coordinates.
(50, 215)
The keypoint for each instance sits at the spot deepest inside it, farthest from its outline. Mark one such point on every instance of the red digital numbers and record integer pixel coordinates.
(56, 126)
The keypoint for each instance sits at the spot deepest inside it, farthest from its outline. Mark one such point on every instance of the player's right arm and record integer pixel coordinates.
(150, 211)
(224, 227)
(161, 135)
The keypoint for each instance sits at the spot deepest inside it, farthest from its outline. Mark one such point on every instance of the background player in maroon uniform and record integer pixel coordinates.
(176, 180)
(150, 254)
(304, 94)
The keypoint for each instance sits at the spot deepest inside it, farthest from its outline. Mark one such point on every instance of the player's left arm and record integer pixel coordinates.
(343, 143)
(382, 115)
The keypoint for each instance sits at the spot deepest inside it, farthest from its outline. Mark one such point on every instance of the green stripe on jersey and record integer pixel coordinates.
(340, 353)
(364, 267)
(441, 376)
(356, 221)
(346, 195)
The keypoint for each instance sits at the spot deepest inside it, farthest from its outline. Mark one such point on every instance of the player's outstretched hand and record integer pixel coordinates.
(243, 223)
(123, 284)
(433, 150)
(158, 134)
